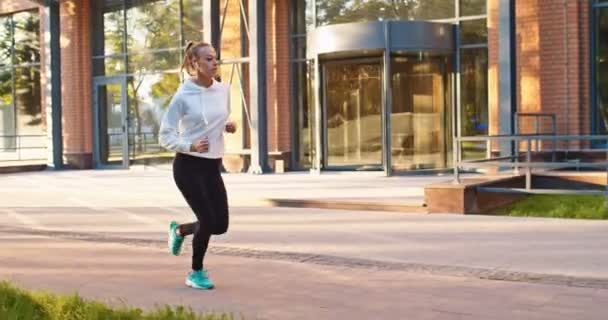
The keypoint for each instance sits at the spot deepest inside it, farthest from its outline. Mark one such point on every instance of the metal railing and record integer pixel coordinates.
(527, 164)
(22, 148)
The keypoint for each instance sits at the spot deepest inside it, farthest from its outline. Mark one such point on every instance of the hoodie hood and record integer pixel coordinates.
(190, 87)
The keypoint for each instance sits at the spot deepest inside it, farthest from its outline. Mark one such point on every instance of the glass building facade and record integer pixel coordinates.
(600, 66)
(22, 128)
(424, 93)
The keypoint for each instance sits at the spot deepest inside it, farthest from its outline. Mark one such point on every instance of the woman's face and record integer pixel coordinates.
(206, 63)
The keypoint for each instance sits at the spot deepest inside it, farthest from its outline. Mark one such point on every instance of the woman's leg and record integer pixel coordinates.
(190, 175)
(219, 199)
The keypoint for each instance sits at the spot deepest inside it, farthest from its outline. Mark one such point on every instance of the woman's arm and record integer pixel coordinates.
(168, 136)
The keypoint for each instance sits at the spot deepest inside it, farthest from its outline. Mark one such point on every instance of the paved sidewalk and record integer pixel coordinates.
(299, 263)
(270, 289)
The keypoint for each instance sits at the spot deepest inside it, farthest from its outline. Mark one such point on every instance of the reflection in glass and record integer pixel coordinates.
(602, 67)
(149, 96)
(27, 38)
(153, 25)
(472, 7)
(7, 111)
(332, 12)
(110, 124)
(353, 102)
(473, 31)
(155, 61)
(27, 101)
(235, 75)
(419, 115)
(108, 66)
(192, 20)
(474, 99)
(233, 35)
(6, 41)
(113, 30)
(306, 115)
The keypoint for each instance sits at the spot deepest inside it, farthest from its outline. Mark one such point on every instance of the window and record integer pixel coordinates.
(21, 116)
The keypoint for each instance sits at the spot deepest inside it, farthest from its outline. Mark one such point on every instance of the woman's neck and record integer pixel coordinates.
(203, 81)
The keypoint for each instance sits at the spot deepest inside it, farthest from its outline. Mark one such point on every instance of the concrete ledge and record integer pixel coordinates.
(360, 205)
(464, 198)
(23, 168)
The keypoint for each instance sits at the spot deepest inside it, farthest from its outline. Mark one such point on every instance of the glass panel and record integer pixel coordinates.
(27, 38)
(108, 66)
(312, 106)
(149, 97)
(305, 115)
(233, 35)
(6, 41)
(309, 15)
(192, 20)
(472, 7)
(7, 111)
(473, 31)
(153, 25)
(28, 101)
(353, 97)
(235, 75)
(155, 61)
(110, 124)
(602, 68)
(474, 99)
(113, 30)
(419, 116)
(332, 12)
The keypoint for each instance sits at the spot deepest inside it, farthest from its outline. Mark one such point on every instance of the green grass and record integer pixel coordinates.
(19, 304)
(559, 206)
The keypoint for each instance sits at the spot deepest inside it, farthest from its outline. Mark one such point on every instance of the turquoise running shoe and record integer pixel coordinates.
(199, 280)
(175, 241)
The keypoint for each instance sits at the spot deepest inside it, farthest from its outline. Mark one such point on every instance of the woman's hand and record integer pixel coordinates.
(200, 146)
(230, 127)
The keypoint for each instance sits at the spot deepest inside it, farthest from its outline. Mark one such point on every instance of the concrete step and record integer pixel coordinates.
(413, 205)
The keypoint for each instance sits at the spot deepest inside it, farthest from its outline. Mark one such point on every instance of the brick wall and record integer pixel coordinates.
(75, 82)
(277, 71)
(552, 63)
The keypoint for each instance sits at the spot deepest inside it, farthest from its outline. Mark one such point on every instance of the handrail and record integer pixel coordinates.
(516, 163)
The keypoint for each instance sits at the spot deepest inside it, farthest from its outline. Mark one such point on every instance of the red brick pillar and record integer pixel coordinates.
(493, 93)
(75, 81)
(552, 76)
(277, 75)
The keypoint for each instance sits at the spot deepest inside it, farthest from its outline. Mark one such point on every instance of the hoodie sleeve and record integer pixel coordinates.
(168, 135)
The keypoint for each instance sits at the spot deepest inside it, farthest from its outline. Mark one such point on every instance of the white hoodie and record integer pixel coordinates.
(196, 112)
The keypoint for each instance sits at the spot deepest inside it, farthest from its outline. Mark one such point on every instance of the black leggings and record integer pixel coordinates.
(200, 182)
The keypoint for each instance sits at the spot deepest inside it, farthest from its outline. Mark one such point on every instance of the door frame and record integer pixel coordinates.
(324, 136)
(97, 83)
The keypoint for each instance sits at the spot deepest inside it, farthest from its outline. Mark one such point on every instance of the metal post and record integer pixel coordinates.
(318, 132)
(53, 38)
(455, 157)
(554, 129)
(257, 87)
(506, 63)
(516, 158)
(536, 130)
(528, 168)
(386, 116)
